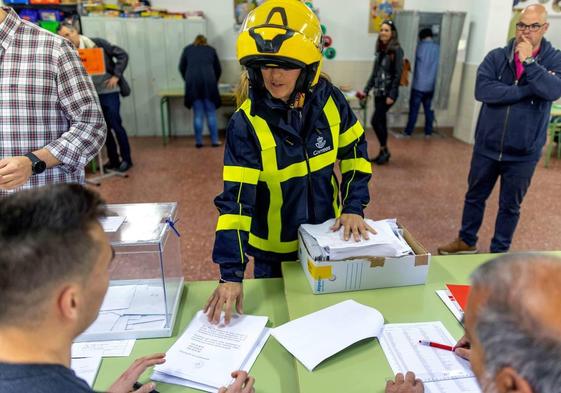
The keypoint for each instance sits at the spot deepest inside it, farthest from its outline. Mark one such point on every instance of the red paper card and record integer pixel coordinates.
(460, 293)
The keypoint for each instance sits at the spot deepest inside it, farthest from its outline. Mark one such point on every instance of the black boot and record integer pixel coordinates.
(383, 157)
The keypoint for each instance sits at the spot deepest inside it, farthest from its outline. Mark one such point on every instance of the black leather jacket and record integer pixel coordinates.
(386, 74)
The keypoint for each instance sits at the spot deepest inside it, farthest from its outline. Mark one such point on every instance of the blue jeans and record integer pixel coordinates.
(202, 108)
(418, 97)
(111, 106)
(515, 180)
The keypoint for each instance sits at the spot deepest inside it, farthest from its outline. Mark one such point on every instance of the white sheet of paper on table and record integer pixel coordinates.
(446, 296)
(161, 377)
(114, 348)
(104, 323)
(112, 223)
(118, 297)
(320, 335)
(147, 300)
(86, 368)
(208, 353)
(403, 351)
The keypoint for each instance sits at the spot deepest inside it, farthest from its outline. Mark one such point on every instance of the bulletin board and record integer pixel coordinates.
(381, 10)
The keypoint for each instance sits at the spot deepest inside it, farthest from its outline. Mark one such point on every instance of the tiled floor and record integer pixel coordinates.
(423, 186)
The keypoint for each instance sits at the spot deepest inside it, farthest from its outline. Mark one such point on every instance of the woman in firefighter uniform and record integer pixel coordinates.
(280, 154)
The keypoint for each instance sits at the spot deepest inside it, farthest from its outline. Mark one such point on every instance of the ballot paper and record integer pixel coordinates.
(111, 223)
(440, 370)
(451, 303)
(319, 335)
(206, 354)
(161, 377)
(114, 348)
(86, 368)
(118, 297)
(387, 242)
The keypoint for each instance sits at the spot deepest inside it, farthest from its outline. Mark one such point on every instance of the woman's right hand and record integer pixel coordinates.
(228, 293)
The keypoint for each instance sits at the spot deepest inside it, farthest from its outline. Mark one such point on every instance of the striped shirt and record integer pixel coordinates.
(47, 100)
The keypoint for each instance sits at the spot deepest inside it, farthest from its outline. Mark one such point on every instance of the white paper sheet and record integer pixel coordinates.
(104, 323)
(118, 297)
(207, 354)
(317, 336)
(112, 223)
(86, 368)
(451, 303)
(113, 348)
(147, 300)
(385, 243)
(400, 343)
(161, 377)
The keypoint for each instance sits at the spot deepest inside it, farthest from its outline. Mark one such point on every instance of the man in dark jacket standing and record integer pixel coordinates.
(108, 87)
(516, 85)
(200, 69)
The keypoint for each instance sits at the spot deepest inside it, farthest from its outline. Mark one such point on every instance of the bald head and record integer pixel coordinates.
(514, 317)
(536, 10)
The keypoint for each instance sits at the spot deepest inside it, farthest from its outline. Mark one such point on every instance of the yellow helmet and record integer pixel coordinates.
(285, 33)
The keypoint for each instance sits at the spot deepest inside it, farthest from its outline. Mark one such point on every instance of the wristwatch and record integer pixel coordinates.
(37, 165)
(529, 60)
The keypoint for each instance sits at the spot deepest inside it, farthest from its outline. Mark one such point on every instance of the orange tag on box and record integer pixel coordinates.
(93, 60)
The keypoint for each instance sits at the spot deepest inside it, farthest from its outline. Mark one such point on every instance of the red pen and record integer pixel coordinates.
(436, 345)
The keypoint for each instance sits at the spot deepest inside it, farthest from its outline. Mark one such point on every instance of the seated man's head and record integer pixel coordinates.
(54, 259)
(513, 321)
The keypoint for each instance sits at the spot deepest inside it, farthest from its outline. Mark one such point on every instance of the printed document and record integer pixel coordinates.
(86, 368)
(161, 377)
(206, 354)
(451, 303)
(440, 370)
(320, 335)
(113, 348)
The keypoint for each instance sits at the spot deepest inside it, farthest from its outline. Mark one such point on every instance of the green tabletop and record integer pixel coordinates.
(274, 368)
(363, 366)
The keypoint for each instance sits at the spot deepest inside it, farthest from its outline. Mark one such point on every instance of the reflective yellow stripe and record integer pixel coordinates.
(335, 185)
(356, 164)
(351, 135)
(334, 120)
(323, 160)
(300, 169)
(240, 174)
(233, 221)
(271, 245)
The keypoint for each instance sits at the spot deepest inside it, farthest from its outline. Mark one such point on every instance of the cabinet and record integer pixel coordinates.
(154, 47)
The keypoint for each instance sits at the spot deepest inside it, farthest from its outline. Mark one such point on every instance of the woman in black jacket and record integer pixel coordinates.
(200, 68)
(384, 81)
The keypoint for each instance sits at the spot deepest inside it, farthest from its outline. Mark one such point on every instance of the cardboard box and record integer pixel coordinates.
(369, 272)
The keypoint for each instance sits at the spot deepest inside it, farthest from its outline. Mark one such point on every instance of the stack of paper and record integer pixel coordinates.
(317, 336)
(440, 370)
(131, 307)
(324, 244)
(205, 355)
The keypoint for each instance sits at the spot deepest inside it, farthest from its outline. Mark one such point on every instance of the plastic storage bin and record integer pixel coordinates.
(146, 276)
(49, 25)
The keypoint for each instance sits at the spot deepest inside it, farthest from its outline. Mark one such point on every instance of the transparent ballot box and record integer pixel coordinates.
(146, 277)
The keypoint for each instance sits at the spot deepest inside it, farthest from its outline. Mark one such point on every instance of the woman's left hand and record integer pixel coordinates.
(355, 224)
(389, 101)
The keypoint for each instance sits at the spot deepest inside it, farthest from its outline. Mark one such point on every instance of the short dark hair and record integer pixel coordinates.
(44, 238)
(68, 25)
(425, 33)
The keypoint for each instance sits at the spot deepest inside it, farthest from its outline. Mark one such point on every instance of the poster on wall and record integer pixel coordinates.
(552, 6)
(381, 10)
(242, 8)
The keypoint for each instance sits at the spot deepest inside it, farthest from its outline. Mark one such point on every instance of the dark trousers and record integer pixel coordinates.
(417, 98)
(379, 120)
(483, 174)
(266, 269)
(111, 106)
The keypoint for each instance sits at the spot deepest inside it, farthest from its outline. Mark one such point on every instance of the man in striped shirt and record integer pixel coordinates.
(51, 124)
